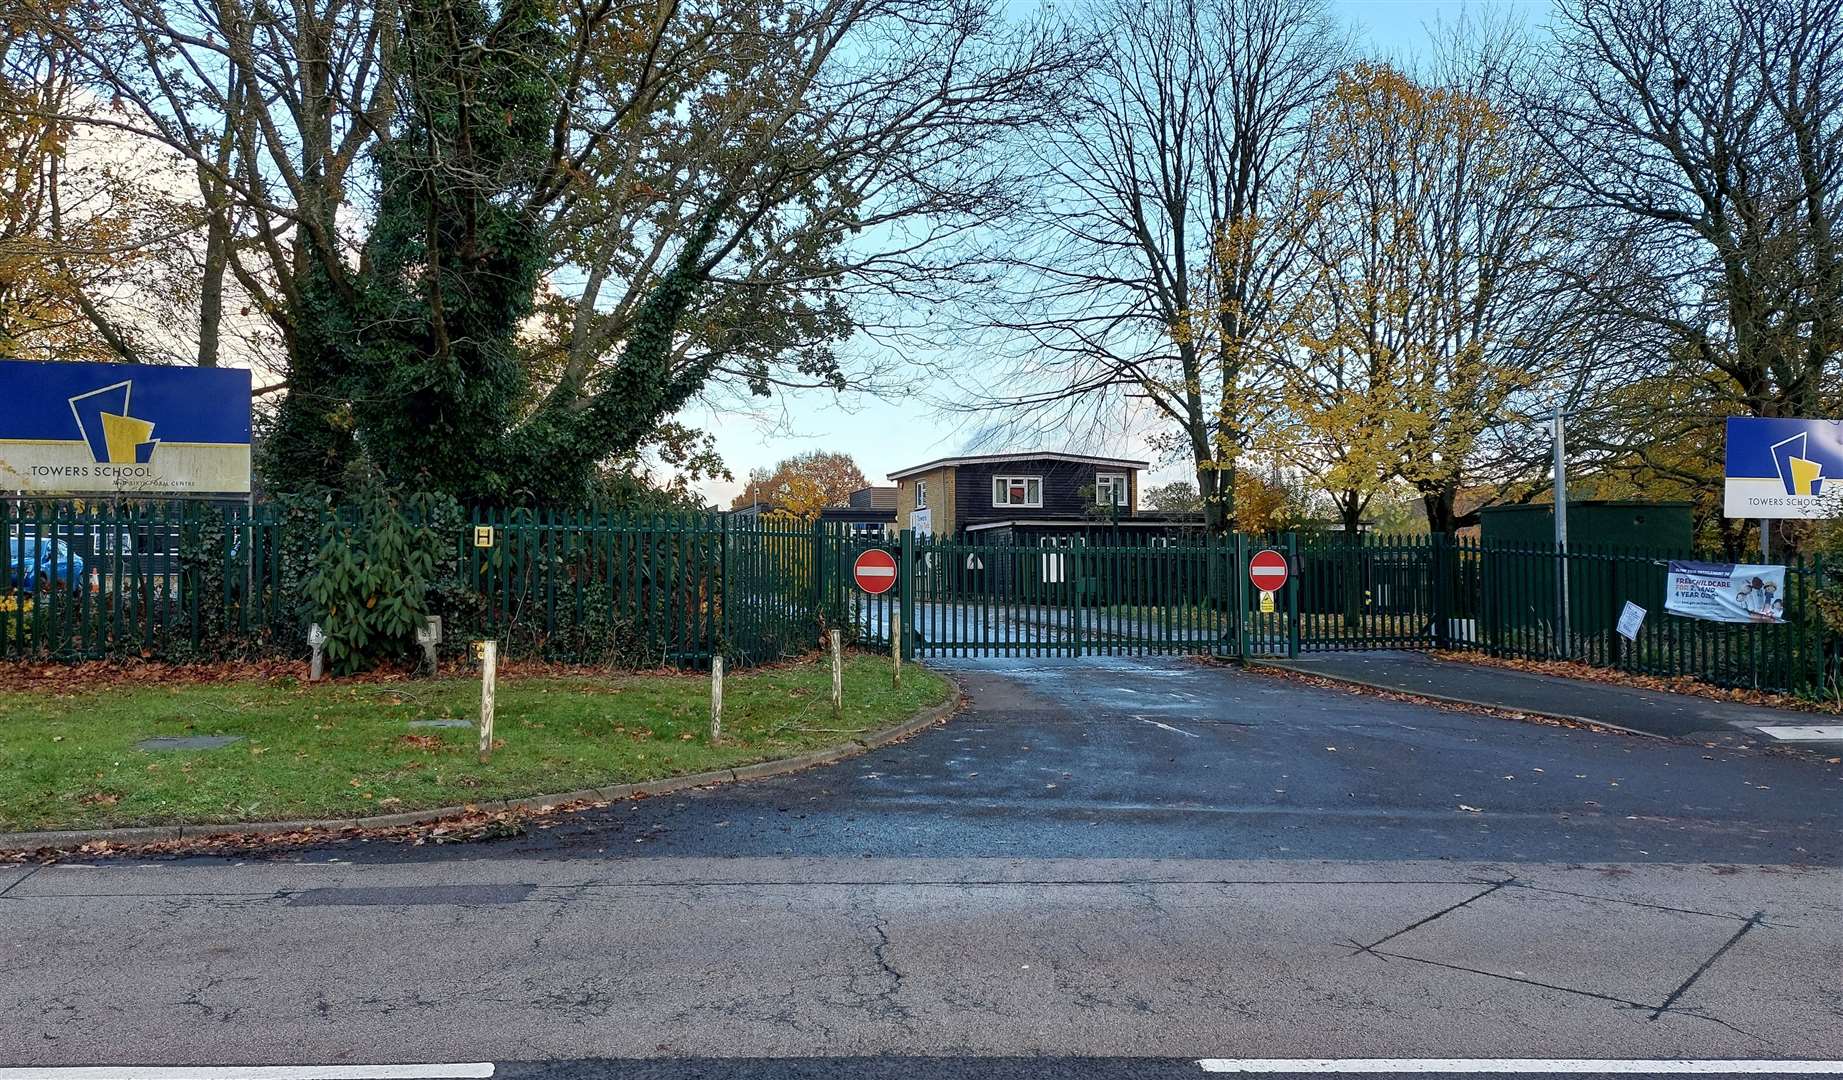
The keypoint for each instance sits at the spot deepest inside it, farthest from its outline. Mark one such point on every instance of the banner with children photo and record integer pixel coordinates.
(1724, 592)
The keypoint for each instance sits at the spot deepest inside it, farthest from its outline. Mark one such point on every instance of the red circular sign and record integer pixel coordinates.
(875, 571)
(1267, 570)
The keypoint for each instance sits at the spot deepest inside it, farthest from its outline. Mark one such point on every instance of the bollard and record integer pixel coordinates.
(896, 649)
(489, 674)
(429, 637)
(716, 698)
(316, 640)
(838, 673)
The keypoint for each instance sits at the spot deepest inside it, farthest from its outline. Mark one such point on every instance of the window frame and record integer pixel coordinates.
(921, 494)
(1002, 484)
(1125, 489)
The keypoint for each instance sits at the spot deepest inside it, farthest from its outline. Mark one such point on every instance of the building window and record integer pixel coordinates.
(1110, 489)
(1017, 491)
(921, 494)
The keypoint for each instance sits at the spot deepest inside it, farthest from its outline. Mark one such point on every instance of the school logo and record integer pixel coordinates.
(1800, 475)
(114, 435)
(1783, 467)
(125, 429)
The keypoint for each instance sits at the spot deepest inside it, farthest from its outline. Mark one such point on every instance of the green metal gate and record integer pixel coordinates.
(1063, 596)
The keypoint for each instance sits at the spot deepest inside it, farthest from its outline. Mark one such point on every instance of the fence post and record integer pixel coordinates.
(1294, 583)
(1239, 571)
(1615, 645)
(905, 582)
(821, 556)
(721, 597)
(896, 650)
(1821, 647)
(1439, 603)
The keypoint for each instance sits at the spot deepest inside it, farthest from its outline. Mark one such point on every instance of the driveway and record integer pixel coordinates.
(1154, 859)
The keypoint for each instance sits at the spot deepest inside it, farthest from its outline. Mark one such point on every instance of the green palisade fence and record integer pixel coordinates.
(195, 581)
(596, 585)
(1504, 600)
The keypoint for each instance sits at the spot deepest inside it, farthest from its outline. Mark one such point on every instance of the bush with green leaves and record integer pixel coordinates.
(377, 573)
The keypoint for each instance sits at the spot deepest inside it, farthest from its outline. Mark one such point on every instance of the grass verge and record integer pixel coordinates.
(70, 760)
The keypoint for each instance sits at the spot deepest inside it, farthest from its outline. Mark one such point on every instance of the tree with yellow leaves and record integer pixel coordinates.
(77, 216)
(803, 485)
(1432, 316)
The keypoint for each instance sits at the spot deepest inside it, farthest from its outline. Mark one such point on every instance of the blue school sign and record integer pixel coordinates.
(124, 429)
(1782, 468)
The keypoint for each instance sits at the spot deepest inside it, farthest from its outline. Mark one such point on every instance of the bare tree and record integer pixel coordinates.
(1703, 141)
(855, 144)
(1151, 267)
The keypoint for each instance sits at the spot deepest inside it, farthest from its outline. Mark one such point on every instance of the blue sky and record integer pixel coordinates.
(883, 435)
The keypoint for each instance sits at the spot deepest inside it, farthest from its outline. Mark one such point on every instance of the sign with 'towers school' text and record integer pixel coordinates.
(124, 429)
(1783, 468)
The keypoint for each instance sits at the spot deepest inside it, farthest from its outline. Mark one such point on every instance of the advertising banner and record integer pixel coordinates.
(124, 429)
(1779, 468)
(1724, 592)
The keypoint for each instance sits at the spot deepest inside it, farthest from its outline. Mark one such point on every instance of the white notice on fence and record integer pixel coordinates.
(1723, 592)
(1630, 620)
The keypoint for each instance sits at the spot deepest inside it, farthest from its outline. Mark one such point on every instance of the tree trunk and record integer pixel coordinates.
(211, 286)
(1350, 509)
(1442, 515)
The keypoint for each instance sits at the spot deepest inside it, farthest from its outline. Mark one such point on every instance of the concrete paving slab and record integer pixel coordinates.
(12, 876)
(1625, 952)
(1121, 967)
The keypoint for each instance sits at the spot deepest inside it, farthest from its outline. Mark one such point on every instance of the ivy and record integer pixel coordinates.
(413, 364)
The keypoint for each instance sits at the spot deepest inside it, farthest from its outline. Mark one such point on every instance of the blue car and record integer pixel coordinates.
(43, 561)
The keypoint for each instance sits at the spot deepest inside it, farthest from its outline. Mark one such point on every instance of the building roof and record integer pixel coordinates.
(1025, 455)
(877, 498)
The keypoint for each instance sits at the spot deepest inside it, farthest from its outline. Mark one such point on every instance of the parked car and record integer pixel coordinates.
(35, 563)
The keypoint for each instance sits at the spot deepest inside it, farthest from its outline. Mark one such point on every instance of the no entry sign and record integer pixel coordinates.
(875, 571)
(1267, 570)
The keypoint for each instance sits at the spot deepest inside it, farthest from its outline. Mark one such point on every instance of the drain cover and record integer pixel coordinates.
(188, 742)
(409, 895)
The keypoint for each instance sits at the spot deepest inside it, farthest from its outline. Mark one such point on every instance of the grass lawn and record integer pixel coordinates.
(347, 748)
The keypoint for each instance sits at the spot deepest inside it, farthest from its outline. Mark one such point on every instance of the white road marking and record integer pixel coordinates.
(466, 1070)
(1520, 1065)
(1806, 732)
(1168, 727)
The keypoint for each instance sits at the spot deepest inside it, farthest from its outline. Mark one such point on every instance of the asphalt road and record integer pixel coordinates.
(1100, 868)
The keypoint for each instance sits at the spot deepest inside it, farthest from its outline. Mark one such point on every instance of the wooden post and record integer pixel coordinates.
(838, 673)
(896, 649)
(489, 675)
(716, 698)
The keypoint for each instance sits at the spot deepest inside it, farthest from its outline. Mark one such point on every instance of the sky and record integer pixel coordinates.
(886, 435)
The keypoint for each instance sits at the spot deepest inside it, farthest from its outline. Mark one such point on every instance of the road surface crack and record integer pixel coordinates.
(1757, 918)
(1371, 948)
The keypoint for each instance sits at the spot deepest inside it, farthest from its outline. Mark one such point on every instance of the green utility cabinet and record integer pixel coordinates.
(1519, 593)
